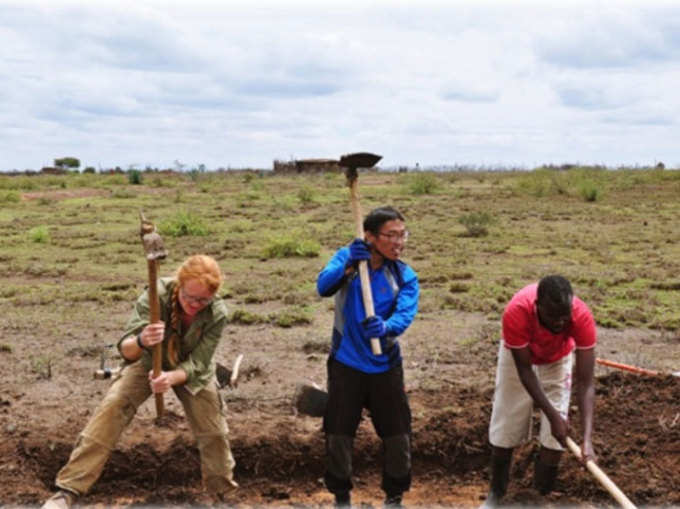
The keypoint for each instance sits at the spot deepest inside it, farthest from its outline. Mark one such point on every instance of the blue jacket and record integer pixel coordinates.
(395, 299)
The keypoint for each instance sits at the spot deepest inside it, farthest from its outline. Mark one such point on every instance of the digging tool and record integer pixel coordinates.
(633, 369)
(226, 376)
(604, 480)
(351, 162)
(310, 399)
(154, 251)
(104, 372)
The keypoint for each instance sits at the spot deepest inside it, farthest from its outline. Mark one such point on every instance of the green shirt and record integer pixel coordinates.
(197, 344)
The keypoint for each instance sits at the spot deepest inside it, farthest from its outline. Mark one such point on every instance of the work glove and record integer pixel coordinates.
(358, 250)
(374, 327)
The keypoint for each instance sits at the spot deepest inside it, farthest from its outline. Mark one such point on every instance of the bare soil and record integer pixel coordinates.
(280, 455)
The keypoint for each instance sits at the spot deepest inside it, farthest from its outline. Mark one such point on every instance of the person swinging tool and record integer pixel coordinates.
(542, 324)
(193, 318)
(357, 377)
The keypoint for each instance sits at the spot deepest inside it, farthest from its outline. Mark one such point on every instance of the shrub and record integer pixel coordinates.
(183, 224)
(39, 234)
(306, 195)
(89, 169)
(589, 191)
(10, 197)
(476, 223)
(135, 177)
(423, 183)
(289, 246)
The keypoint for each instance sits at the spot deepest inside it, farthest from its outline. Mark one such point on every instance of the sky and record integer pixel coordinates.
(236, 84)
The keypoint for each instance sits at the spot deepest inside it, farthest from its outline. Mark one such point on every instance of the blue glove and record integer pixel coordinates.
(374, 327)
(358, 250)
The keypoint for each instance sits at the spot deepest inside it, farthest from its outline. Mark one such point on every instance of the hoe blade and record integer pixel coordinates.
(359, 160)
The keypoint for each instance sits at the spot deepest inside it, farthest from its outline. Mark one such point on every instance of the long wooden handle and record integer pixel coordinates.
(627, 367)
(233, 379)
(363, 265)
(605, 481)
(155, 317)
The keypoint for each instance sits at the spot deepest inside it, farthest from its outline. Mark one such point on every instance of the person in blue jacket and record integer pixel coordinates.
(357, 378)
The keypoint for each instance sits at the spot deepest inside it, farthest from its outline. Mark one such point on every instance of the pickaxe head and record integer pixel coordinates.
(152, 241)
(357, 160)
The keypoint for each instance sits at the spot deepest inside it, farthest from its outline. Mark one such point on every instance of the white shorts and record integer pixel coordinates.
(512, 410)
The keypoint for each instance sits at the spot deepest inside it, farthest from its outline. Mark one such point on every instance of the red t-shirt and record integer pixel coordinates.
(521, 328)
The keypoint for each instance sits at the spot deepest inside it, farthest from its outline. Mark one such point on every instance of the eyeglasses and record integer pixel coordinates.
(396, 236)
(201, 301)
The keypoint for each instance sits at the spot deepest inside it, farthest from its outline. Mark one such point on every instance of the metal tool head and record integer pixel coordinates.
(357, 160)
(310, 399)
(151, 240)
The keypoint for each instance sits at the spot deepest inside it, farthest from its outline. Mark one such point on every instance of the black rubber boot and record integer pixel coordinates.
(343, 499)
(544, 477)
(500, 475)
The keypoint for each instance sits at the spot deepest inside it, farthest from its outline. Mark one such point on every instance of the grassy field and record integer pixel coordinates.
(475, 237)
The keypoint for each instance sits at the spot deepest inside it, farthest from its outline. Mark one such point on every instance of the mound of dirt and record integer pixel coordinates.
(280, 458)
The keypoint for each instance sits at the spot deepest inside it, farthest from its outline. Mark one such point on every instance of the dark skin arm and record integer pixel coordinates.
(559, 427)
(585, 365)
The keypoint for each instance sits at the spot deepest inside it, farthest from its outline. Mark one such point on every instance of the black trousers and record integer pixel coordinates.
(383, 394)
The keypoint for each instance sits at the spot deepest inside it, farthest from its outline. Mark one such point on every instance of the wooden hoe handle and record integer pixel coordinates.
(155, 317)
(363, 265)
(627, 367)
(605, 481)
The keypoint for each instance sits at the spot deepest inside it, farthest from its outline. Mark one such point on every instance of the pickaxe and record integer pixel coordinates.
(226, 376)
(153, 251)
(351, 162)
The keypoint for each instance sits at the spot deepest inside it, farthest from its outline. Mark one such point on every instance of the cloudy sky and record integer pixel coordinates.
(241, 83)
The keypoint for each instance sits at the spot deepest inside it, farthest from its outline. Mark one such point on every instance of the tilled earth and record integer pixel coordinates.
(279, 454)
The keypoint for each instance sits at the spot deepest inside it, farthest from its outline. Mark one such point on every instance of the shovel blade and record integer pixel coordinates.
(310, 400)
(359, 160)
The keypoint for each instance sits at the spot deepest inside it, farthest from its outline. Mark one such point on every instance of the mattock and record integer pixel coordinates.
(154, 250)
(351, 162)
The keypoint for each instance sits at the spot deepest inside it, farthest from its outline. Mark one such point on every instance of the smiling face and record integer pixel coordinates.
(390, 240)
(194, 296)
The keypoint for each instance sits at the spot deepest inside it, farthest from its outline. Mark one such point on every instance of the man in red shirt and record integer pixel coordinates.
(542, 325)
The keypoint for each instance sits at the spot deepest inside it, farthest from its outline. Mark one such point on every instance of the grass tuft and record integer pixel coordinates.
(183, 224)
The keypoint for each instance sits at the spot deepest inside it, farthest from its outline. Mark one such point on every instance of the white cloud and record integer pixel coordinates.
(237, 84)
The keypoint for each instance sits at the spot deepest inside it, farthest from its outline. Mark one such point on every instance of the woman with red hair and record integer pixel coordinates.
(192, 320)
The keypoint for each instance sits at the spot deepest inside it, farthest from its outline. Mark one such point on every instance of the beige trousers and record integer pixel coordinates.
(511, 414)
(204, 411)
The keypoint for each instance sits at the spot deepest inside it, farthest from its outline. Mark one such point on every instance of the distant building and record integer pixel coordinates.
(306, 166)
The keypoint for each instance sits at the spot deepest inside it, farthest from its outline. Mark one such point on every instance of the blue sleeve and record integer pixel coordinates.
(331, 277)
(407, 304)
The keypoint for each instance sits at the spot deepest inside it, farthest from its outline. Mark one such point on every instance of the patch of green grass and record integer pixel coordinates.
(589, 191)
(39, 234)
(292, 316)
(476, 223)
(183, 223)
(123, 193)
(423, 183)
(10, 197)
(244, 317)
(287, 245)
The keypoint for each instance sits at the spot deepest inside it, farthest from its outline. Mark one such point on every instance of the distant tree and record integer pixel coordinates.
(89, 169)
(67, 162)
